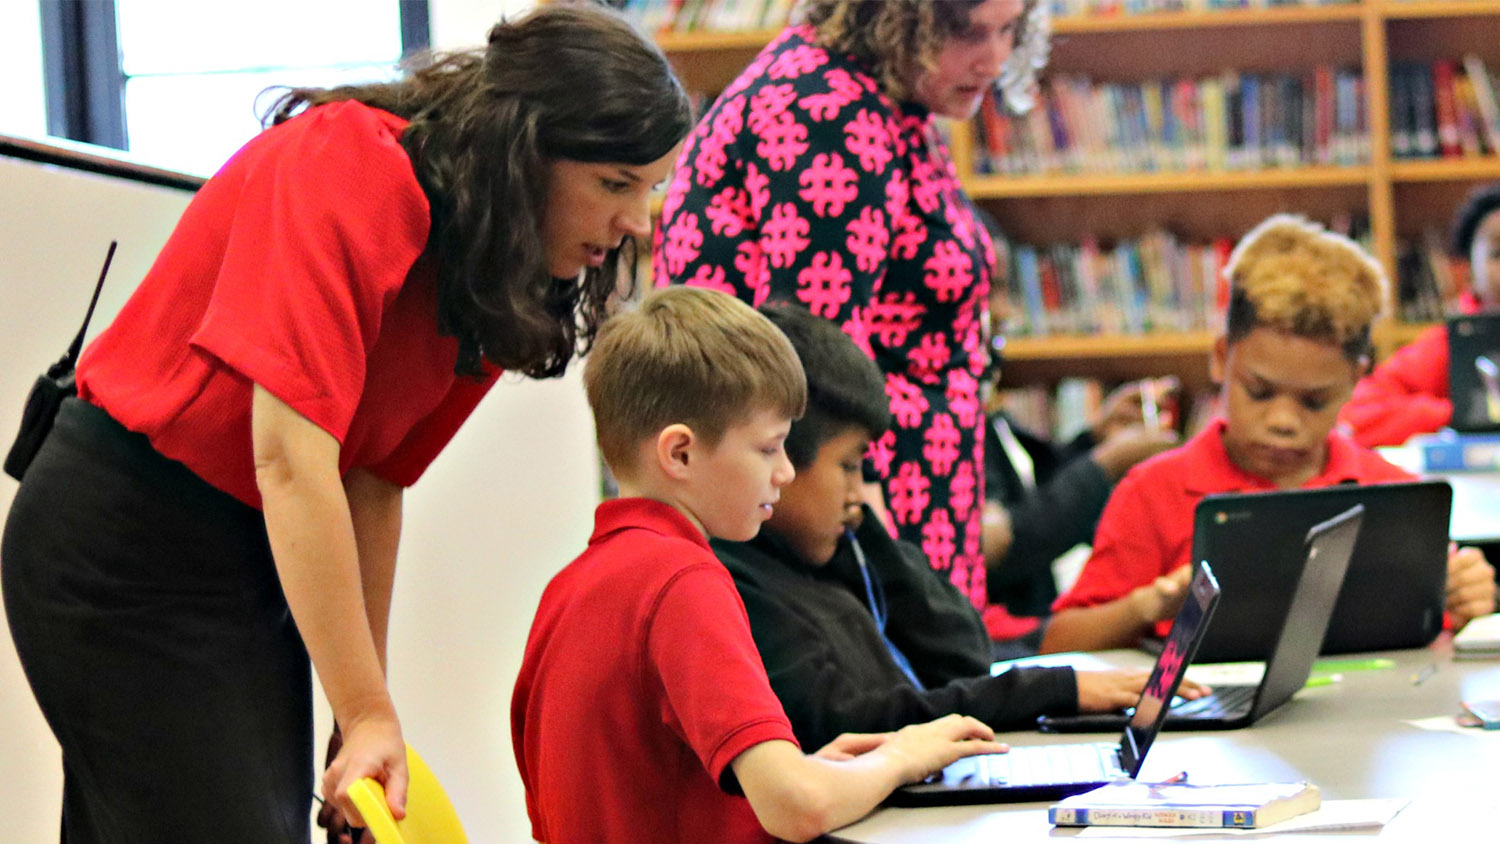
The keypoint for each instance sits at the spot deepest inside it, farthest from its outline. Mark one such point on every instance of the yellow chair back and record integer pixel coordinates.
(430, 817)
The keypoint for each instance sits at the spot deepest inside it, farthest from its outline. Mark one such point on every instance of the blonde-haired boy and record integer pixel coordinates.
(642, 710)
(1296, 339)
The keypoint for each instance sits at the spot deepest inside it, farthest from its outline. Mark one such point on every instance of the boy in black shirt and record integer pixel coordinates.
(857, 632)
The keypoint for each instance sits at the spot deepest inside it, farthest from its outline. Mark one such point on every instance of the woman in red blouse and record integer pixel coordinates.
(818, 178)
(222, 501)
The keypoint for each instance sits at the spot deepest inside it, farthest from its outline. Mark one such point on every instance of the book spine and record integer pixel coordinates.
(1400, 108)
(1445, 107)
(1187, 817)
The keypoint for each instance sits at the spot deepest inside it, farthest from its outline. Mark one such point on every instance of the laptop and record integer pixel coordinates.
(1393, 593)
(1325, 559)
(1050, 772)
(1474, 372)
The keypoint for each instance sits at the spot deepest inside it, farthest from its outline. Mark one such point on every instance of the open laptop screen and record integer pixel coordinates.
(1474, 372)
(1177, 654)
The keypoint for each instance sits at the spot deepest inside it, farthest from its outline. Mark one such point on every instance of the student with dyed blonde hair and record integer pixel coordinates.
(1296, 340)
(641, 693)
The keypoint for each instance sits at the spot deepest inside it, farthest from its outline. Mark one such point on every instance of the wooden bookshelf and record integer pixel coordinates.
(1223, 19)
(1398, 196)
(684, 43)
(1209, 181)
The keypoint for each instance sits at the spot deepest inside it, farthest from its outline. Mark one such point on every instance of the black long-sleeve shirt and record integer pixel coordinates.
(1060, 512)
(830, 667)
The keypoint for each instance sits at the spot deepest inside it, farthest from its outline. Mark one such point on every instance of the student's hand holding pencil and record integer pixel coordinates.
(1147, 402)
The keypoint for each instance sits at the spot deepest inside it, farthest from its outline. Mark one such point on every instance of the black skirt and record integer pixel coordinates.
(151, 626)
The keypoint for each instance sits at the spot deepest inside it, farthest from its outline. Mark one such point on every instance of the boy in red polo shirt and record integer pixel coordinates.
(1297, 338)
(642, 711)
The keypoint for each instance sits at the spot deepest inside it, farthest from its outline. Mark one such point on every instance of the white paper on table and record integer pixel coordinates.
(1446, 724)
(1067, 659)
(1227, 673)
(1332, 816)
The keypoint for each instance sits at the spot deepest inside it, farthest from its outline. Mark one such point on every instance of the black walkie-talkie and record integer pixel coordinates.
(48, 392)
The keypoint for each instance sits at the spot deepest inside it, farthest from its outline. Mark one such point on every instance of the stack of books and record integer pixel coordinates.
(1450, 451)
(1480, 639)
(1132, 803)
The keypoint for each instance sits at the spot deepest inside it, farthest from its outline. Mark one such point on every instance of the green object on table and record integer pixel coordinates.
(1330, 666)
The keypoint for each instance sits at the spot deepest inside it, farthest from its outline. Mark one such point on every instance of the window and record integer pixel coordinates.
(178, 83)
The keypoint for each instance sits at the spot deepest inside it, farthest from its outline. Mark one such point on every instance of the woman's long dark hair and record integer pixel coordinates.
(563, 82)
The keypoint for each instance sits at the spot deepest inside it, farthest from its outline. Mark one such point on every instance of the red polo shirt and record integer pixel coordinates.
(1406, 395)
(1147, 527)
(640, 684)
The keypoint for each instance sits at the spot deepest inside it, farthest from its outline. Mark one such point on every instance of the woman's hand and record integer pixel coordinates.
(373, 747)
(340, 831)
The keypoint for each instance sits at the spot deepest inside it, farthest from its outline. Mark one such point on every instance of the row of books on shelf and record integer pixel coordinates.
(1161, 283)
(659, 16)
(1109, 8)
(1232, 121)
(1138, 286)
(1064, 410)
(751, 15)
(1446, 108)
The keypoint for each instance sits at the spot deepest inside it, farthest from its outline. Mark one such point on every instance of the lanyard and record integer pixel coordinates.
(876, 597)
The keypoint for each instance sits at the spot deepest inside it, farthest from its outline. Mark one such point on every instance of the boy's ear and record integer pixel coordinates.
(1218, 360)
(673, 446)
(1362, 367)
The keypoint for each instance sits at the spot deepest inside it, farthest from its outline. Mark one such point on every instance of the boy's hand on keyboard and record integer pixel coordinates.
(1112, 691)
(850, 745)
(930, 747)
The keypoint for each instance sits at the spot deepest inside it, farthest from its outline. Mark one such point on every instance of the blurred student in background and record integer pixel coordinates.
(1408, 393)
(1043, 498)
(1296, 339)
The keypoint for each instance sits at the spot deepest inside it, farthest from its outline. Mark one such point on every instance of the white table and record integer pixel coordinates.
(1351, 738)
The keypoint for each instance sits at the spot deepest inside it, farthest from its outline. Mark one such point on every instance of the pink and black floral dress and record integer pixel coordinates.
(804, 183)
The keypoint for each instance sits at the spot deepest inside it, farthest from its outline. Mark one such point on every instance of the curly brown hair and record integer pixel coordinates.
(1292, 275)
(565, 81)
(896, 39)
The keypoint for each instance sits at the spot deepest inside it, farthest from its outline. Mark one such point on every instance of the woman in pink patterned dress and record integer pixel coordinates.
(818, 178)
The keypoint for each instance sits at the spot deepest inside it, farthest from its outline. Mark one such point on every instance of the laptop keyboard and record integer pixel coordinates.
(1225, 702)
(1045, 765)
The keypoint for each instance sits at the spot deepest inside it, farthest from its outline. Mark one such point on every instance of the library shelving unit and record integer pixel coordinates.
(1401, 198)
